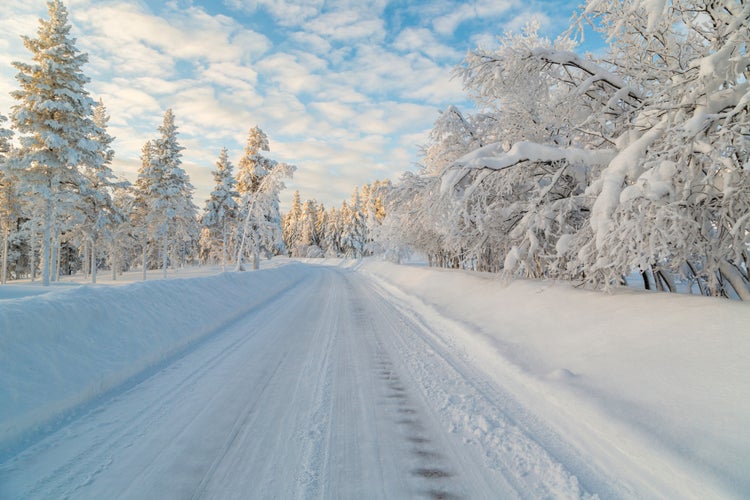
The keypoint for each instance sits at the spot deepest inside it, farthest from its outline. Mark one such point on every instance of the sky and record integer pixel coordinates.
(346, 90)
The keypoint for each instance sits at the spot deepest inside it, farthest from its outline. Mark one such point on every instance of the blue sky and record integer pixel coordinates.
(346, 90)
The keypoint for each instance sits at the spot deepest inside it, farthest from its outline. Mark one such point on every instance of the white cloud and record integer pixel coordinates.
(423, 40)
(479, 9)
(288, 13)
(290, 72)
(347, 25)
(337, 112)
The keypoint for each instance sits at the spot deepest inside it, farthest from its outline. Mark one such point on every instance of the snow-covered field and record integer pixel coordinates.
(342, 379)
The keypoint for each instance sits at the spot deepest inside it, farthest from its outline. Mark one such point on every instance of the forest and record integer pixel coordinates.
(629, 166)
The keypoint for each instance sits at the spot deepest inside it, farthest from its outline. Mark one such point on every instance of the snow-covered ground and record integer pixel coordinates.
(369, 380)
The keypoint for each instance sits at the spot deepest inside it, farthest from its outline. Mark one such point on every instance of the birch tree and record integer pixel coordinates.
(259, 182)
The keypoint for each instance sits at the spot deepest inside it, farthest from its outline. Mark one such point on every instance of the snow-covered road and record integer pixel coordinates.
(326, 390)
(332, 387)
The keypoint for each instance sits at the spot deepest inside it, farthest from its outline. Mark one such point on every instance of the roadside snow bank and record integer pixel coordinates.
(662, 378)
(63, 348)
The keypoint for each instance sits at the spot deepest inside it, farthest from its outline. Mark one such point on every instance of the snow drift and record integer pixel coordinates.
(664, 378)
(62, 349)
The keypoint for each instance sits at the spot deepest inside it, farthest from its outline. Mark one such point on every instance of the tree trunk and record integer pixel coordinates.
(165, 256)
(56, 259)
(46, 242)
(113, 258)
(702, 288)
(145, 252)
(241, 249)
(32, 257)
(4, 278)
(86, 259)
(666, 279)
(735, 278)
(256, 256)
(224, 248)
(93, 261)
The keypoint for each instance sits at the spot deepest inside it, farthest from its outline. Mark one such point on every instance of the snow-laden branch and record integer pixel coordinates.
(494, 157)
(596, 73)
(627, 163)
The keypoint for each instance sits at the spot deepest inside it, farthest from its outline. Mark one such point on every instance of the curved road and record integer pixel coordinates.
(331, 389)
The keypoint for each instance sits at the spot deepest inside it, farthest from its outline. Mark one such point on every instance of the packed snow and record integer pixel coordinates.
(370, 379)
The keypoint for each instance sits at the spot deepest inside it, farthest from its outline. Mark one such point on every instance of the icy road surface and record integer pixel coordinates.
(330, 389)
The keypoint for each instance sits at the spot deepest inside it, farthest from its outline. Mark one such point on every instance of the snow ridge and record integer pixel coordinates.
(79, 343)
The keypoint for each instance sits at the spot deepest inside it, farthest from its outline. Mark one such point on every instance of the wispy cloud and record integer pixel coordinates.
(345, 89)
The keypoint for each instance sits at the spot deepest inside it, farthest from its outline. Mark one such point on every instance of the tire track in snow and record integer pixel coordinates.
(463, 403)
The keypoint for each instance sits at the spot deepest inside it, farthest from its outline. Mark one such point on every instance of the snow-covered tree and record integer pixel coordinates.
(253, 166)
(54, 118)
(677, 195)
(290, 224)
(141, 215)
(99, 212)
(121, 235)
(172, 213)
(579, 167)
(332, 233)
(10, 201)
(221, 210)
(354, 227)
(261, 228)
(259, 182)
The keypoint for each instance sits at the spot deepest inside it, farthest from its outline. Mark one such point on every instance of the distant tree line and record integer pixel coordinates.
(309, 230)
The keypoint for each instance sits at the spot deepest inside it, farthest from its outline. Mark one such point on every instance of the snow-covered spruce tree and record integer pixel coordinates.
(141, 215)
(122, 236)
(259, 182)
(332, 234)
(10, 202)
(220, 213)
(309, 229)
(676, 198)
(172, 213)
(290, 224)
(354, 227)
(99, 213)
(54, 118)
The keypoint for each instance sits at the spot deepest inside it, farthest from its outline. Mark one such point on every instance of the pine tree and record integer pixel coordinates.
(221, 208)
(54, 114)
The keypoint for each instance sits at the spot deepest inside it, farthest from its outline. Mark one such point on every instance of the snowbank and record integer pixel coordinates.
(663, 378)
(70, 344)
